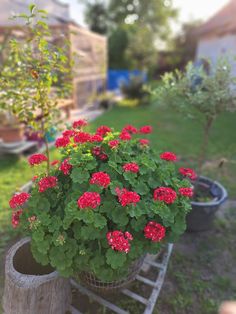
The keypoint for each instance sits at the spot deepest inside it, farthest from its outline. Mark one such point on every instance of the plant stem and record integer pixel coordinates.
(46, 145)
(205, 142)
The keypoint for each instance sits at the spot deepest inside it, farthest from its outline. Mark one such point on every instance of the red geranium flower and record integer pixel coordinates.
(46, 183)
(37, 159)
(89, 200)
(114, 143)
(103, 157)
(119, 241)
(126, 197)
(125, 136)
(65, 166)
(187, 172)
(68, 133)
(82, 137)
(96, 151)
(168, 156)
(62, 141)
(147, 129)
(132, 167)
(15, 218)
(154, 231)
(79, 123)
(187, 192)
(34, 178)
(164, 194)
(144, 142)
(18, 199)
(130, 129)
(101, 179)
(103, 130)
(96, 138)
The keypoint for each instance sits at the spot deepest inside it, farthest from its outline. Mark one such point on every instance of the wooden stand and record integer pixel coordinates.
(31, 288)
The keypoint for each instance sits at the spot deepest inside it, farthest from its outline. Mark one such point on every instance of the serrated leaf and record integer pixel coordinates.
(115, 259)
(99, 221)
(79, 175)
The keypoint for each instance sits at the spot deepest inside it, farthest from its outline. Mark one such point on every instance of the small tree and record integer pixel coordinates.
(200, 93)
(33, 66)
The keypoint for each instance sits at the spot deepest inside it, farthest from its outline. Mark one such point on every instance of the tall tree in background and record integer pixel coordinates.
(96, 16)
(133, 28)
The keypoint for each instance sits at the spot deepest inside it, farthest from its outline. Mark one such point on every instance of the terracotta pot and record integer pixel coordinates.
(11, 134)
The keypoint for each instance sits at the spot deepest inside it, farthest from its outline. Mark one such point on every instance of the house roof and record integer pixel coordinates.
(222, 22)
(58, 12)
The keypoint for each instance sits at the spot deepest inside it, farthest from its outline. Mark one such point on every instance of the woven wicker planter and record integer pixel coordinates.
(95, 284)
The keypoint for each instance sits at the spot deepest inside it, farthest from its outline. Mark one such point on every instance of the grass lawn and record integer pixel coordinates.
(185, 287)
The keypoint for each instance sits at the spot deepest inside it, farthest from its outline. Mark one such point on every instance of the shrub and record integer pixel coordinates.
(110, 200)
(200, 94)
(135, 89)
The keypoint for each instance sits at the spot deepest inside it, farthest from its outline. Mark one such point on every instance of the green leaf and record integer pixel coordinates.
(115, 259)
(119, 216)
(32, 8)
(79, 175)
(99, 221)
(141, 188)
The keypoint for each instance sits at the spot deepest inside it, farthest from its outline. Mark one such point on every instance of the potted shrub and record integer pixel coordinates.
(110, 200)
(11, 132)
(33, 65)
(202, 95)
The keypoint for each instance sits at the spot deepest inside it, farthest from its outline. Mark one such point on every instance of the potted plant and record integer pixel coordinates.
(203, 95)
(11, 132)
(32, 66)
(109, 200)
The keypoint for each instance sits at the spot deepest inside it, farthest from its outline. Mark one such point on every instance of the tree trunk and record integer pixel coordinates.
(31, 288)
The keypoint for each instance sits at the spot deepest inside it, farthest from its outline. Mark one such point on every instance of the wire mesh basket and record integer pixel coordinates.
(92, 282)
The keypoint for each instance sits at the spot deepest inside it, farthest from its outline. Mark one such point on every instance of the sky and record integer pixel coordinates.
(189, 9)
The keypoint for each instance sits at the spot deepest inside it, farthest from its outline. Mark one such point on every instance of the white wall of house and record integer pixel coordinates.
(215, 47)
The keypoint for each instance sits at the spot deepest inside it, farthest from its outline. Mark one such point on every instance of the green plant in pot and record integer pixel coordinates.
(109, 200)
(201, 94)
(32, 67)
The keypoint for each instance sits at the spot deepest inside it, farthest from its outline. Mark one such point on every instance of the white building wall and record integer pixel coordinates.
(215, 47)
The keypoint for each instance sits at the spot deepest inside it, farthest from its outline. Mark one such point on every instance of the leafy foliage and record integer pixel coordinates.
(73, 239)
(200, 93)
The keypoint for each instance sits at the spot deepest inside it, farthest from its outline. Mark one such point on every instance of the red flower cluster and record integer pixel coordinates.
(132, 167)
(96, 138)
(46, 183)
(79, 123)
(187, 192)
(82, 137)
(18, 199)
(187, 172)
(130, 129)
(125, 136)
(114, 143)
(168, 156)
(119, 241)
(68, 133)
(126, 197)
(37, 159)
(154, 231)
(62, 141)
(97, 151)
(103, 130)
(15, 218)
(65, 166)
(164, 194)
(147, 129)
(89, 199)
(144, 142)
(101, 179)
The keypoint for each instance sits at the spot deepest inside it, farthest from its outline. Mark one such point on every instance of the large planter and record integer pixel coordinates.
(31, 288)
(90, 280)
(11, 134)
(203, 213)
